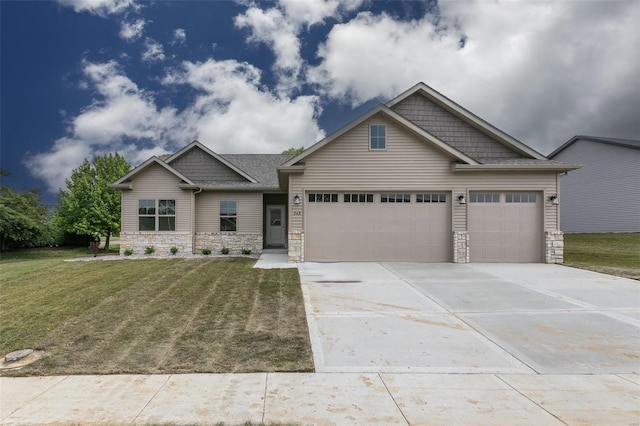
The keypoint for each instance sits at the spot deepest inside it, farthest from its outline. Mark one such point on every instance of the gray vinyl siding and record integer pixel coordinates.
(604, 195)
(452, 129)
(199, 166)
(249, 211)
(409, 164)
(156, 183)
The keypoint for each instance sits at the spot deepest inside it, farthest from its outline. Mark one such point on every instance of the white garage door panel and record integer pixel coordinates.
(505, 232)
(416, 232)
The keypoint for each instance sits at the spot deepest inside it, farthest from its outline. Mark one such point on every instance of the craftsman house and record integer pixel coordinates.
(417, 179)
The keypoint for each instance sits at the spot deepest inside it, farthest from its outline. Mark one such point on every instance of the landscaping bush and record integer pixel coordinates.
(149, 250)
(206, 251)
(224, 250)
(174, 250)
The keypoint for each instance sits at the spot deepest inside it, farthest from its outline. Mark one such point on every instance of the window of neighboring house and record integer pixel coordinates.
(146, 215)
(166, 215)
(520, 197)
(479, 197)
(323, 198)
(395, 198)
(228, 216)
(358, 198)
(378, 136)
(431, 198)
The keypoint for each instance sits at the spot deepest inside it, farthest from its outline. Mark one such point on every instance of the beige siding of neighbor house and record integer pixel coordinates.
(408, 164)
(249, 211)
(156, 183)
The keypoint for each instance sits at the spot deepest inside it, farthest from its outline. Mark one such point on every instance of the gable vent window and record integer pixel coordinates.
(228, 216)
(431, 198)
(323, 198)
(395, 198)
(378, 137)
(358, 198)
(162, 218)
(479, 197)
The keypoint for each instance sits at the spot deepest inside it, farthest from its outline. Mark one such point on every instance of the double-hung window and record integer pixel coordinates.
(377, 137)
(228, 216)
(166, 215)
(160, 217)
(146, 215)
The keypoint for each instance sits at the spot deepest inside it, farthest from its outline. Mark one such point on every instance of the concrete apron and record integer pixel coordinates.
(473, 318)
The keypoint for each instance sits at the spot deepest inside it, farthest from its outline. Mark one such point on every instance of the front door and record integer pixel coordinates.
(276, 226)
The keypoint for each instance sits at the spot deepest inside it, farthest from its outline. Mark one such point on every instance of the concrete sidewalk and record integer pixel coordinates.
(324, 398)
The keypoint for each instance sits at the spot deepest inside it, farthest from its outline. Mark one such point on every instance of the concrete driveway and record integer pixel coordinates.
(472, 318)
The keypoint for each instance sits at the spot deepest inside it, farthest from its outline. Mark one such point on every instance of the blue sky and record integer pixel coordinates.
(85, 78)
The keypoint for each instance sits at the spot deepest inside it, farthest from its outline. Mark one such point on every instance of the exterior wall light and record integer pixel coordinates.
(296, 199)
(553, 199)
(461, 199)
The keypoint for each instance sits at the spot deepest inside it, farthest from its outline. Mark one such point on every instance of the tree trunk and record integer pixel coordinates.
(106, 242)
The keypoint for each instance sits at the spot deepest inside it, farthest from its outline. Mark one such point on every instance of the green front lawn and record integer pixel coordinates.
(615, 254)
(153, 316)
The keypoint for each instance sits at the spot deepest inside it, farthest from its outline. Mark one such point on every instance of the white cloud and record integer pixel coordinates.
(55, 166)
(100, 7)
(132, 31)
(153, 51)
(231, 112)
(179, 36)
(542, 81)
(280, 27)
(272, 28)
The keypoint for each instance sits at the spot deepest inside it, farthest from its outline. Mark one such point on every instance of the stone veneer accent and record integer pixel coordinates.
(161, 241)
(554, 246)
(296, 246)
(460, 247)
(234, 241)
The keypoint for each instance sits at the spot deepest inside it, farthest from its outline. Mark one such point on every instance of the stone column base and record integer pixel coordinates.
(296, 246)
(460, 247)
(554, 246)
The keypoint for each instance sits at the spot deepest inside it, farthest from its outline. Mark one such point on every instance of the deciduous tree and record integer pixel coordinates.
(89, 205)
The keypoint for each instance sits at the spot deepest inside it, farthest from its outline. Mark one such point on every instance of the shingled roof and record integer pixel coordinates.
(627, 143)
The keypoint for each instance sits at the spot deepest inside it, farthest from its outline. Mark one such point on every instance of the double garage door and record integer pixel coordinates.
(378, 227)
(416, 227)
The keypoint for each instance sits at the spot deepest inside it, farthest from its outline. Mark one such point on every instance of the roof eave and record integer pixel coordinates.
(457, 167)
(121, 186)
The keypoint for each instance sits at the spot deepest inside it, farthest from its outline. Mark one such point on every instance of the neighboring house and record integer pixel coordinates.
(604, 195)
(417, 179)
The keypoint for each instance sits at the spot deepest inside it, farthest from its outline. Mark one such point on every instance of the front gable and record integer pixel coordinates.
(201, 167)
(452, 129)
(205, 166)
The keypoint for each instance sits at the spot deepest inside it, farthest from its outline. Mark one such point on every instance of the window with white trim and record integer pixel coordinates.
(377, 137)
(395, 198)
(228, 216)
(323, 198)
(162, 218)
(358, 198)
(431, 198)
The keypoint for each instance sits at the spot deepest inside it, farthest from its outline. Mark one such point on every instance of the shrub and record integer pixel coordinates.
(149, 250)
(206, 251)
(224, 250)
(174, 250)
(128, 252)
(246, 251)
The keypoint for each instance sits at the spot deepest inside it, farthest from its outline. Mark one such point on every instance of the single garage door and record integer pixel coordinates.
(505, 227)
(410, 227)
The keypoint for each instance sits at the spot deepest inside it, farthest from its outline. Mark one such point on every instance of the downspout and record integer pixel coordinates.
(193, 219)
